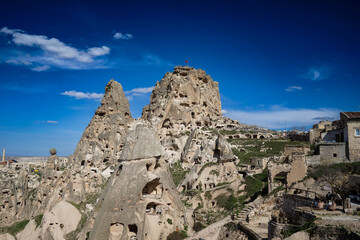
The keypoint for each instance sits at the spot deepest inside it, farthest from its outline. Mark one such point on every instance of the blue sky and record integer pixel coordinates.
(275, 61)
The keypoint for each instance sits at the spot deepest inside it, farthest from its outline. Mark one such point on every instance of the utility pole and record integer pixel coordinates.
(3, 157)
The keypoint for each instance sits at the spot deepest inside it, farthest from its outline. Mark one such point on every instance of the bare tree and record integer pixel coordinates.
(339, 183)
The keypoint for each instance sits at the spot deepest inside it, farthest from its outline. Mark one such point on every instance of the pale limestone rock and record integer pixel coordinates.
(141, 143)
(6, 236)
(141, 195)
(103, 139)
(183, 99)
(299, 236)
(107, 173)
(30, 232)
(62, 219)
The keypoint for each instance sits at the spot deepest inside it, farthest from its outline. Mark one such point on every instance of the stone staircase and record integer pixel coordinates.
(242, 215)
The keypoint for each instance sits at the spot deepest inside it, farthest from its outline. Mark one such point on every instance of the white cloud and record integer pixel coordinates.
(293, 88)
(125, 36)
(51, 121)
(18, 62)
(140, 90)
(136, 92)
(47, 121)
(52, 51)
(99, 51)
(41, 68)
(82, 95)
(277, 117)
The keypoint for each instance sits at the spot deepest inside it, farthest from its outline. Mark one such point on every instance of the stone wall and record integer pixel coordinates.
(332, 151)
(293, 201)
(353, 141)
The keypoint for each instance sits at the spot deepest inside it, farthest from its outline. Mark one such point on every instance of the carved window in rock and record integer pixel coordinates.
(132, 230)
(153, 187)
(119, 170)
(167, 124)
(151, 208)
(217, 153)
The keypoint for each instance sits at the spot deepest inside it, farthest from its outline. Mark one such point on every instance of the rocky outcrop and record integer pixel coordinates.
(141, 199)
(103, 139)
(141, 143)
(185, 98)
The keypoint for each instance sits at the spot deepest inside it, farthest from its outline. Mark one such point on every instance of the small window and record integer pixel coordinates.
(357, 132)
(334, 155)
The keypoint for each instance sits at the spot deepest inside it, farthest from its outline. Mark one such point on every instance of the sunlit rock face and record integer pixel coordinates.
(103, 139)
(184, 98)
(140, 201)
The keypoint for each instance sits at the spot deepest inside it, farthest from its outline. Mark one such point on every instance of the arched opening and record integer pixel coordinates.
(119, 170)
(148, 165)
(217, 154)
(82, 162)
(153, 188)
(262, 137)
(132, 230)
(166, 123)
(116, 230)
(151, 208)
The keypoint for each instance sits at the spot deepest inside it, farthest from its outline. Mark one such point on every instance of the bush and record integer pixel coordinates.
(15, 228)
(198, 226)
(177, 173)
(208, 195)
(252, 186)
(169, 221)
(177, 235)
(319, 171)
(38, 219)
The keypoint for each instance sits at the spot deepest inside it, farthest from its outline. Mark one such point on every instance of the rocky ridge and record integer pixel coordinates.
(118, 178)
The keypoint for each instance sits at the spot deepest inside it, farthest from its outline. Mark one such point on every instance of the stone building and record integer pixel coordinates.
(341, 137)
(315, 131)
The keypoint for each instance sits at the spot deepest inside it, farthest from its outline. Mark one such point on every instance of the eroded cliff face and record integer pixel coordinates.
(184, 98)
(182, 104)
(141, 200)
(118, 177)
(103, 139)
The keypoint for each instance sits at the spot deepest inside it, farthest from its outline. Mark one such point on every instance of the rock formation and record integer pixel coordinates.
(183, 98)
(141, 200)
(103, 139)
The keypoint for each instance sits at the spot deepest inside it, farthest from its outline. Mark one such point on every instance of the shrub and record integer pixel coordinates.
(38, 219)
(198, 226)
(177, 235)
(15, 228)
(177, 173)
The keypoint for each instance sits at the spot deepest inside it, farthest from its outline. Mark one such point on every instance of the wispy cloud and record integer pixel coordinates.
(137, 92)
(125, 36)
(51, 121)
(317, 73)
(293, 88)
(276, 118)
(47, 121)
(82, 95)
(41, 68)
(51, 52)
